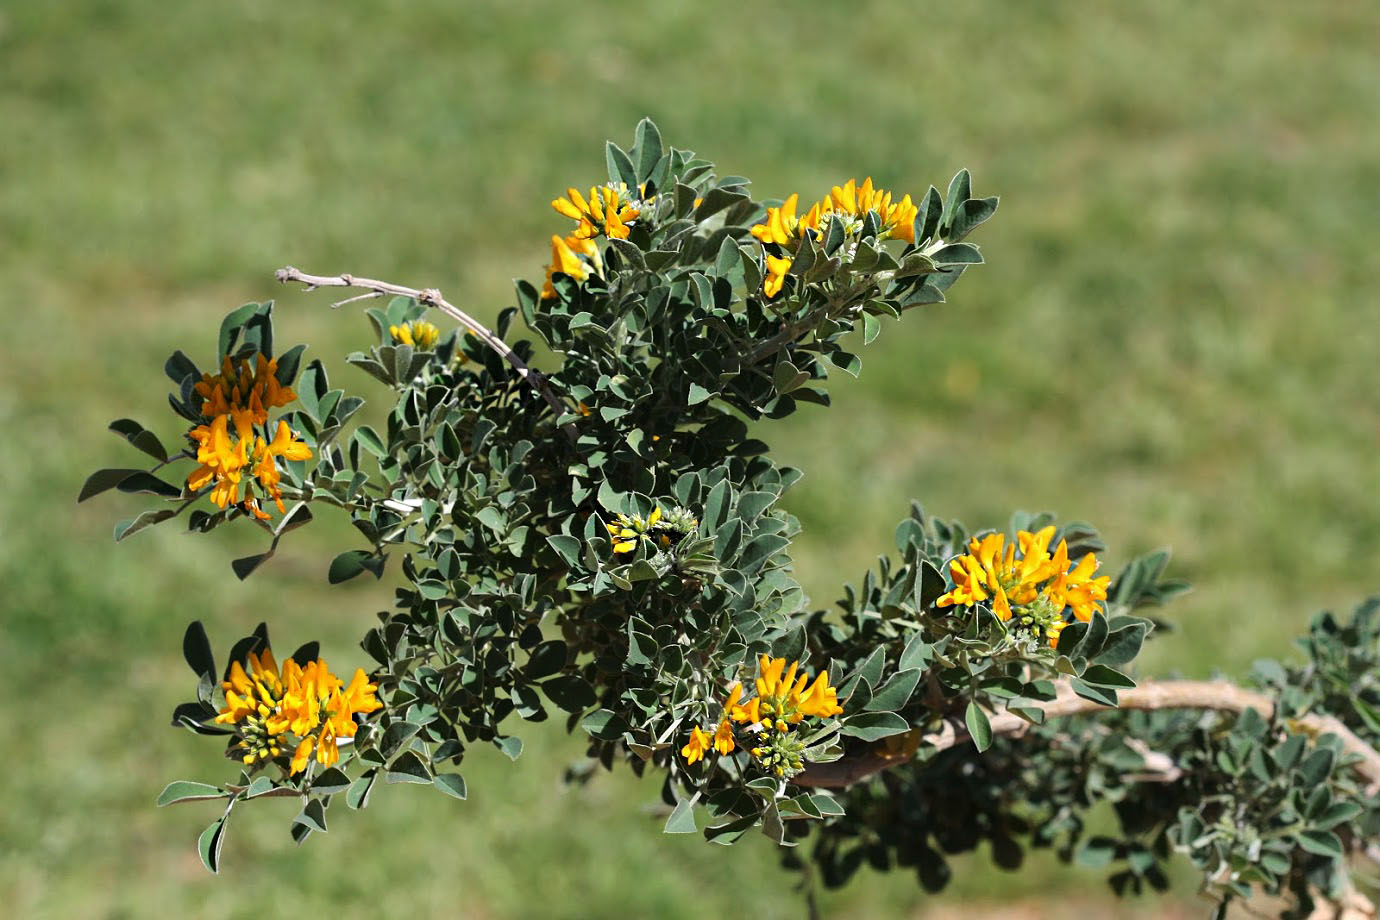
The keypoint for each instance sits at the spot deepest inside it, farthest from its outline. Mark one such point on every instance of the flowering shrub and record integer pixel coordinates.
(605, 541)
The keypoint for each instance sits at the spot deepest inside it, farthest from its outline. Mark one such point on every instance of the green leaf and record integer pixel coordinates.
(960, 190)
(1320, 843)
(230, 328)
(647, 143)
(369, 439)
(409, 768)
(570, 692)
(1102, 676)
(958, 254)
(397, 735)
(102, 481)
(347, 565)
(894, 694)
(620, 167)
(978, 726)
(331, 780)
(261, 785)
(915, 654)
(544, 660)
(728, 259)
(178, 367)
(1123, 644)
(788, 377)
(970, 215)
(567, 547)
(930, 214)
(682, 820)
(148, 484)
(196, 650)
(209, 844)
(698, 394)
(140, 437)
(1091, 642)
(452, 784)
(245, 565)
(358, 795)
(312, 816)
(510, 746)
(1315, 767)
(1095, 694)
(872, 327)
(872, 726)
(1368, 714)
(147, 519)
(848, 362)
(186, 791)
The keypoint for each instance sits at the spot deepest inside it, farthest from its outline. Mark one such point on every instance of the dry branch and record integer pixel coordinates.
(1216, 695)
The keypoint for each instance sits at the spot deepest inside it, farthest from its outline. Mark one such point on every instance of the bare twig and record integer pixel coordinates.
(1214, 695)
(367, 295)
(431, 297)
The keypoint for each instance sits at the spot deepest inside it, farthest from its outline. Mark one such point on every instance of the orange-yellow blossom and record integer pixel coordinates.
(604, 211)
(696, 747)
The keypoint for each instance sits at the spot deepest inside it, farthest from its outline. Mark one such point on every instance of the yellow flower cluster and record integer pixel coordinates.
(236, 401)
(1035, 589)
(783, 700)
(269, 708)
(418, 333)
(626, 531)
(606, 211)
(851, 203)
(664, 531)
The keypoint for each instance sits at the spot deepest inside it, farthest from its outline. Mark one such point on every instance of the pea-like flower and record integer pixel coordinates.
(418, 333)
(1033, 589)
(270, 709)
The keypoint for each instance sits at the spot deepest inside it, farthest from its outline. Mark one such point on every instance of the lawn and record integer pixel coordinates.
(1168, 340)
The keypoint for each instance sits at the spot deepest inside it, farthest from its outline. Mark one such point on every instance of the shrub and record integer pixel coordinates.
(604, 543)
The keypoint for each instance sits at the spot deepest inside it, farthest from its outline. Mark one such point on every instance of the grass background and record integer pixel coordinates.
(1173, 338)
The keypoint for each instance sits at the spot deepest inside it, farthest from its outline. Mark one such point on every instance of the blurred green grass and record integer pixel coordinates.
(1170, 340)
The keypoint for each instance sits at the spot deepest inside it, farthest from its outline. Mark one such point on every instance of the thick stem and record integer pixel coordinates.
(432, 298)
(1216, 695)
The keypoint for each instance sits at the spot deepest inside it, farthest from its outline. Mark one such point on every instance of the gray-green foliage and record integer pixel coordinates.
(512, 601)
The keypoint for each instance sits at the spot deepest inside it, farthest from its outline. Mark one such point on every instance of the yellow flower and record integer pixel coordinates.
(240, 388)
(251, 705)
(221, 460)
(851, 203)
(1036, 588)
(565, 257)
(265, 469)
(606, 211)
(783, 698)
(241, 397)
(626, 531)
(1077, 588)
(417, 333)
(723, 737)
(776, 275)
(991, 570)
(319, 712)
(265, 706)
(696, 747)
(781, 224)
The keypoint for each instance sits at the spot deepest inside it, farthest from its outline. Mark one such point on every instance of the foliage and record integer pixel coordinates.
(624, 562)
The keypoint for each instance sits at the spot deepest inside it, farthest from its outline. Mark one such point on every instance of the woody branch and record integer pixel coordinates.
(431, 297)
(1213, 695)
